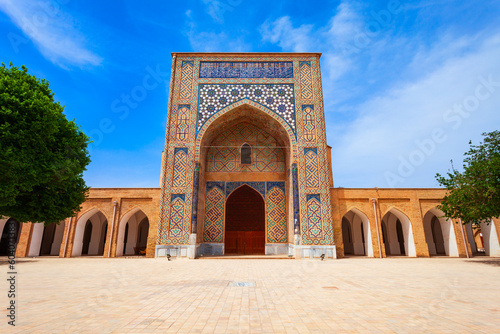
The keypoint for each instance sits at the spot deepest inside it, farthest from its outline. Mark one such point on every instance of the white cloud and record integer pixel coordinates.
(334, 40)
(52, 31)
(390, 126)
(282, 32)
(345, 24)
(386, 92)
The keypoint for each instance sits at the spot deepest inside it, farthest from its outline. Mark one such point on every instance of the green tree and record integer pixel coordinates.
(42, 154)
(474, 194)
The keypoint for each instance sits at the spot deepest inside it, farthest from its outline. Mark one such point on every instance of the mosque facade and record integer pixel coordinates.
(246, 170)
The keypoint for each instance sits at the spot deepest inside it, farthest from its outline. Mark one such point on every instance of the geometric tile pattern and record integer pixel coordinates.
(312, 175)
(309, 125)
(314, 223)
(276, 212)
(227, 159)
(180, 167)
(306, 130)
(177, 205)
(277, 97)
(224, 155)
(306, 87)
(244, 102)
(186, 88)
(218, 69)
(260, 187)
(272, 191)
(182, 128)
(214, 212)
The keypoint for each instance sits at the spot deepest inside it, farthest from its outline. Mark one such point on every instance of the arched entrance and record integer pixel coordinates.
(133, 233)
(483, 239)
(244, 146)
(439, 234)
(397, 234)
(91, 234)
(10, 237)
(245, 222)
(356, 233)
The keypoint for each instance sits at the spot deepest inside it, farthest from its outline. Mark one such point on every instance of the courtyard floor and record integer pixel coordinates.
(352, 295)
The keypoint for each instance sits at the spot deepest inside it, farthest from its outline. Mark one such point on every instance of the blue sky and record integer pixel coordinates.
(406, 84)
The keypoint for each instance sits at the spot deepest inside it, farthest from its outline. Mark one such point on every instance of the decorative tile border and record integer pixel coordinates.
(226, 69)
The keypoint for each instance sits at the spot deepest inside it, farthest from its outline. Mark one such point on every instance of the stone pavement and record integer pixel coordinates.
(354, 295)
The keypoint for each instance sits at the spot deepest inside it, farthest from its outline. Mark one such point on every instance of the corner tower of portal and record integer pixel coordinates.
(245, 127)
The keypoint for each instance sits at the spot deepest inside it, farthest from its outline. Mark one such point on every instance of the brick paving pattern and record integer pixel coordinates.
(353, 295)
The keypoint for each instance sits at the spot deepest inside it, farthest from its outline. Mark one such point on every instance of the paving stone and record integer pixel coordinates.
(355, 295)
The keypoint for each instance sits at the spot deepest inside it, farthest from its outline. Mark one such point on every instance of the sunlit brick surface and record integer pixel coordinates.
(396, 295)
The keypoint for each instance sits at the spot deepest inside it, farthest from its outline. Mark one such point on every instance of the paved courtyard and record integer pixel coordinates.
(354, 295)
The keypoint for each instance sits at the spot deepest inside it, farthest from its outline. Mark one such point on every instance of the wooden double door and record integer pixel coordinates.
(245, 222)
(245, 242)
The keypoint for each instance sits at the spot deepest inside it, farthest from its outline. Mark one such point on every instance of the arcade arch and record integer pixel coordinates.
(356, 233)
(439, 234)
(483, 239)
(133, 233)
(90, 234)
(397, 234)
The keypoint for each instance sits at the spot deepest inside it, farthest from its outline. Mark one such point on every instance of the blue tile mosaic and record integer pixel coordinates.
(246, 69)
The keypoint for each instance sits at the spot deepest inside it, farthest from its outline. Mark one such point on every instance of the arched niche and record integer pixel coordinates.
(247, 115)
(439, 234)
(134, 241)
(225, 136)
(398, 234)
(360, 234)
(97, 239)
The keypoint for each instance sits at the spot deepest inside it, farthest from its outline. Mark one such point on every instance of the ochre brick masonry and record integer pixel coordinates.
(101, 201)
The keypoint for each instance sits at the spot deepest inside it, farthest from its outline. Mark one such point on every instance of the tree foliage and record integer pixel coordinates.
(42, 154)
(474, 194)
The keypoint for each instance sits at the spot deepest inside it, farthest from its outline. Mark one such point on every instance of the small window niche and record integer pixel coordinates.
(246, 154)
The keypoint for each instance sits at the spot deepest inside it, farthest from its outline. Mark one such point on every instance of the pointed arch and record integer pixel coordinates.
(97, 218)
(248, 184)
(404, 241)
(439, 233)
(361, 233)
(255, 107)
(133, 218)
(483, 238)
